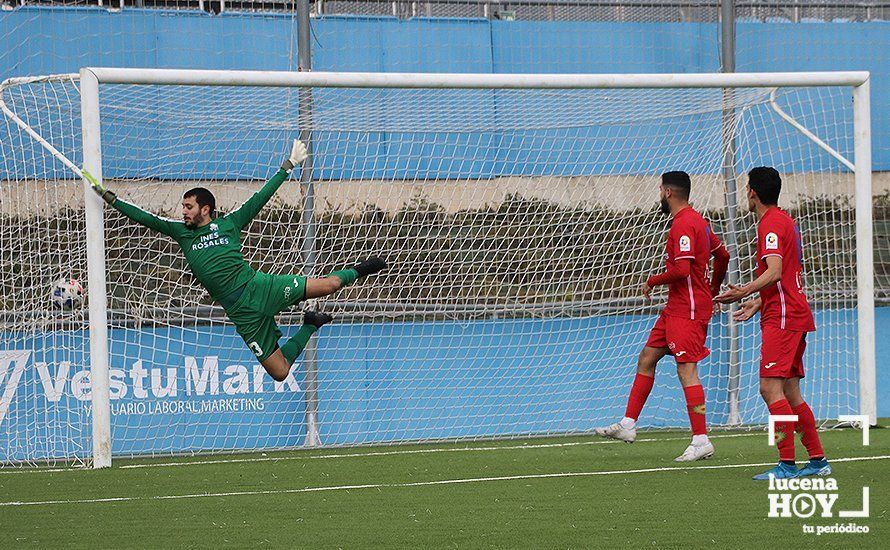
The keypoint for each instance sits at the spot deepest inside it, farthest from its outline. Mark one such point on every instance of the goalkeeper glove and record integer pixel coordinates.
(370, 266)
(99, 188)
(297, 156)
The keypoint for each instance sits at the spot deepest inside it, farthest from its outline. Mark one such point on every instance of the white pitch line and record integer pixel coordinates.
(417, 483)
(45, 470)
(411, 452)
(369, 454)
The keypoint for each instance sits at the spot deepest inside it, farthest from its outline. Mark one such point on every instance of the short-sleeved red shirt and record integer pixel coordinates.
(784, 303)
(690, 238)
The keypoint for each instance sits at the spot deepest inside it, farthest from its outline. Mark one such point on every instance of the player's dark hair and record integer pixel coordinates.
(203, 197)
(766, 182)
(678, 181)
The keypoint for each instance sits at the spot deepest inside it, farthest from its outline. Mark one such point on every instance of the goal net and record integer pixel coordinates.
(518, 224)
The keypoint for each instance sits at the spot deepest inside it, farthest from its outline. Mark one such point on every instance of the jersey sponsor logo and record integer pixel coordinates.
(769, 365)
(772, 241)
(685, 244)
(210, 240)
(679, 353)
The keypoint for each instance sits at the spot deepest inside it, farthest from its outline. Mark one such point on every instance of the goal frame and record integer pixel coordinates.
(92, 77)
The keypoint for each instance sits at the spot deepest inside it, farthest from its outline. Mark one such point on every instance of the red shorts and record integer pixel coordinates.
(781, 353)
(684, 338)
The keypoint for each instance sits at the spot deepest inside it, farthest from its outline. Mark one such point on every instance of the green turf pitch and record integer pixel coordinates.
(542, 493)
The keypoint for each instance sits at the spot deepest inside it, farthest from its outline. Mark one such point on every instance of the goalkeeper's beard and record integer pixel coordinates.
(193, 223)
(665, 207)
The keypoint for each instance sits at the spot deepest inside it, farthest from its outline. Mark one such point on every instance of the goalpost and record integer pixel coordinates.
(516, 210)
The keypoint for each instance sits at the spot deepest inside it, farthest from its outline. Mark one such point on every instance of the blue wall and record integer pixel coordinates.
(64, 39)
(384, 382)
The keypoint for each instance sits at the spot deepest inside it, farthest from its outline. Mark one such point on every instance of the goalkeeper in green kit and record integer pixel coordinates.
(251, 299)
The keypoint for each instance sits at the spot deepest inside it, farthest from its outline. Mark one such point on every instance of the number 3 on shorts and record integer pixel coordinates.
(257, 350)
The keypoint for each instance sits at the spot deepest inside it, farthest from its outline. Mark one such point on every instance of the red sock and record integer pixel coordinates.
(695, 406)
(784, 430)
(639, 392)
(806, 425)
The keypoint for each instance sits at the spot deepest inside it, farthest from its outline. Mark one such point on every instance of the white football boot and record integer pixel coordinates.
(619, 432)
(696, 452)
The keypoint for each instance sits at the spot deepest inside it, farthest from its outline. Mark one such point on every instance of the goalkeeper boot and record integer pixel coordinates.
(370, 266)
(618, 431)
(696, 452)
(316, 318)
(780, 471)
(815, 467)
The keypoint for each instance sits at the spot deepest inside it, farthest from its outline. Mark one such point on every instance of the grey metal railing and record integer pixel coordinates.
(567, 10)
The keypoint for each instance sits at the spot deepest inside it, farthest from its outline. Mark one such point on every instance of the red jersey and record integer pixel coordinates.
(690, 238)
(784, 303)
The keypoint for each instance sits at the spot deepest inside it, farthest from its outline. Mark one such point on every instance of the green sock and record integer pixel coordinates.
(294, 347)
(346, 276)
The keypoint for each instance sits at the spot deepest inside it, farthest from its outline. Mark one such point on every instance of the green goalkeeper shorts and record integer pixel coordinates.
(264, 297)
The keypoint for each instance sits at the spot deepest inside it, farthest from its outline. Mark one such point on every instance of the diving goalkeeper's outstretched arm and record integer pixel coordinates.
(138, 215)
(254, 204)
(239, 217)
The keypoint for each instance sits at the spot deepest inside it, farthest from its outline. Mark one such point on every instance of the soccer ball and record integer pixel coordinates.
(67, 293)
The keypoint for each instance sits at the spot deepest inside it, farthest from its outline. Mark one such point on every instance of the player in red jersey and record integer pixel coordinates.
(682, 327)
(785, 320)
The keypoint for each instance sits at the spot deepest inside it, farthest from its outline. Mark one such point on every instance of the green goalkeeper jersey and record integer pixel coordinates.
(213, 252)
